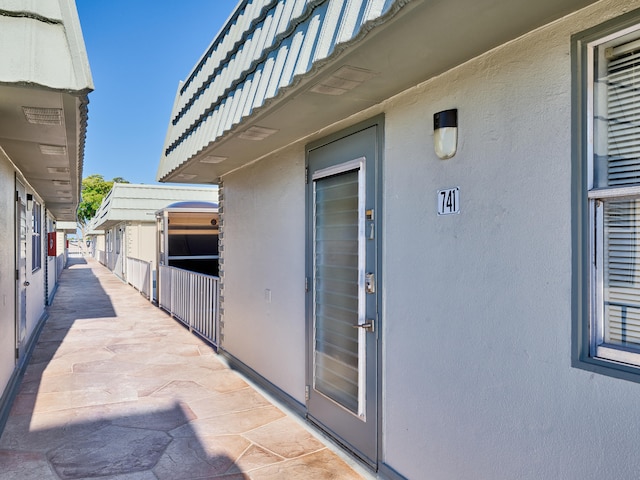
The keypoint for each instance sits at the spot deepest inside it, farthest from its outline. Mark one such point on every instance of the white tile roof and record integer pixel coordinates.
(263, 47)
(136, 202)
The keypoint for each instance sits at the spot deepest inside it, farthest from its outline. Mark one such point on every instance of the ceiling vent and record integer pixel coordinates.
(342, 80)
(61, 183)
(57, 170)
(257, 133)
(213, 159)
(186, 176)
(43, 116)
(53, 149)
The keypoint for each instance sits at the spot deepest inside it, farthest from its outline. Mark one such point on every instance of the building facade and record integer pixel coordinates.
(44, 83)
(469, 317)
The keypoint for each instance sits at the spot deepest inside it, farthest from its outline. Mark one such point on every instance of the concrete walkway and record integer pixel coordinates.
(118, 390)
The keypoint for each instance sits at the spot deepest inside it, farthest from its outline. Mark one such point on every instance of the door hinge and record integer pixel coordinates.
(306, 284)
(17, 274)
(306, 175)
(307, 392)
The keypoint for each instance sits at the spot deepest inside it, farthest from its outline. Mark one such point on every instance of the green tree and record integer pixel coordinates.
(94, 189)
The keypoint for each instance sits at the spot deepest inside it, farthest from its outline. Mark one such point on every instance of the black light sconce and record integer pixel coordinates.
(445, 133)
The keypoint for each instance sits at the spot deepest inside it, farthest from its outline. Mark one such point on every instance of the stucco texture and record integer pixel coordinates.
(263, 242)
(476, 317)
(478, 381)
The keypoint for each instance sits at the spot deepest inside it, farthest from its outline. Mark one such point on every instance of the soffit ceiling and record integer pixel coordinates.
(423, 40)
(41, 131)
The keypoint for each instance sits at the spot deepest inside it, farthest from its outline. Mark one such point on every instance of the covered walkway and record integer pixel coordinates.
(116, 389)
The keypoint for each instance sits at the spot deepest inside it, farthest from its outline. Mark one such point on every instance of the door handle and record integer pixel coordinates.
(26, 284)
(369, 326)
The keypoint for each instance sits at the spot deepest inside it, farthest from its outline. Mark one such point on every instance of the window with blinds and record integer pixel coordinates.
(615, 201)
(621, 273)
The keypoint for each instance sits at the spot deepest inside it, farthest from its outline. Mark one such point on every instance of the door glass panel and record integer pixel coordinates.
(336, 288)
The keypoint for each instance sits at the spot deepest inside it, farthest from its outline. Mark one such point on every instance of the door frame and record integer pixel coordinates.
(378, 122)
(21, 278)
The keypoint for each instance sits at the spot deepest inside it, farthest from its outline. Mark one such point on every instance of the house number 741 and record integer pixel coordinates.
(449, 201)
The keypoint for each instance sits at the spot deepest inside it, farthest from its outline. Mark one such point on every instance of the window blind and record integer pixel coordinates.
(623, 120)
(622, 272)
(621, 275)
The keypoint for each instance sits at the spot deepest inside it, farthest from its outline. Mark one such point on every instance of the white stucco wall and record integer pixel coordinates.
(138, 240)
(51, 275)
(7, 267)
(100, 244)
(477, 375)
(141, 241)
(35, 292)
(478, 380)
(264, 312)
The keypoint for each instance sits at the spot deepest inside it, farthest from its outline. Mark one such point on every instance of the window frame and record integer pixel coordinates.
(587, 299)
(36, 236)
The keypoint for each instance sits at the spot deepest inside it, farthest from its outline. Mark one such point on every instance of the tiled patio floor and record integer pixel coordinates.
(118, 390)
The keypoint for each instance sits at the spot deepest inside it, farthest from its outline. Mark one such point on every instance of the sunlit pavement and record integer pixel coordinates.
(116, 389)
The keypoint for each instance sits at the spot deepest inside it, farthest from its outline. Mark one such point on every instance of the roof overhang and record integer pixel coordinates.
(42, 131)
(419, 41)
(44, 85)
(66, 227)
(128, 202)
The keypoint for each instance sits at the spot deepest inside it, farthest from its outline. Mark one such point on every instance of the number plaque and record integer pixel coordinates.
(449, 201)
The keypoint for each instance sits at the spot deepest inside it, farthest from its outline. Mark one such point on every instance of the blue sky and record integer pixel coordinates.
(138, 52)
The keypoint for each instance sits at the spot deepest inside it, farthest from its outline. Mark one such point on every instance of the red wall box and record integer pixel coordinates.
(51, 244)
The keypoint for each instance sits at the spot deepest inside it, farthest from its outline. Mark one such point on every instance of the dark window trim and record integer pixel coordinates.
(580, 224)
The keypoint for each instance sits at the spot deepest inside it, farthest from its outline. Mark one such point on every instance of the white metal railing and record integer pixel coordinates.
(193, 298)
(139, 275)
(101, 256)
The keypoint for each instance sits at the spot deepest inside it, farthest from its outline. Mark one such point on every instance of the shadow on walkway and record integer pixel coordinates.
(118, 390)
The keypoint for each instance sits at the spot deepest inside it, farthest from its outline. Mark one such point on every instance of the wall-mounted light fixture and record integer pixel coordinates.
(445, 133)
(29, 201)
